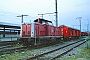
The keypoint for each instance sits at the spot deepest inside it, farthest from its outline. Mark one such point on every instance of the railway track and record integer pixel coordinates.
(5, 43)
(6, 46)
(11, 50)
(56, 53)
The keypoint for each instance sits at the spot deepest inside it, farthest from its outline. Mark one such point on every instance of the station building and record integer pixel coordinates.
(9, 31)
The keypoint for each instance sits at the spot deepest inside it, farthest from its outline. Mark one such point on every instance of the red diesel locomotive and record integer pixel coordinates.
(43, 32)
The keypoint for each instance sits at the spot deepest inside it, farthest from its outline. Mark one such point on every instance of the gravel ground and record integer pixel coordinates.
(77, 53)
(46, 49)
(30, 53)
(51, 55)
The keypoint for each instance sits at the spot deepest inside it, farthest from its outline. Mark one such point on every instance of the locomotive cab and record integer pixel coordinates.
(43, 21)
(38, 28)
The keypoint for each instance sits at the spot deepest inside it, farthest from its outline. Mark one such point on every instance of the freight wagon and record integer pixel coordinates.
(84, 34)
(68, 32)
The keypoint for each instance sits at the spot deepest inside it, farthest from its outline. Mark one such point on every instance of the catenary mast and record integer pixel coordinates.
(56, 13)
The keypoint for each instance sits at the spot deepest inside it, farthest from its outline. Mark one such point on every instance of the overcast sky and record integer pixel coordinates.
(68, 11)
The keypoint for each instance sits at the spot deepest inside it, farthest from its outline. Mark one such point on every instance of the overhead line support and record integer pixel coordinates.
(22, 17)
(56, 13)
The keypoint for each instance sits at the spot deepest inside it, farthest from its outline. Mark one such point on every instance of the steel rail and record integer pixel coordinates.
(39, 55)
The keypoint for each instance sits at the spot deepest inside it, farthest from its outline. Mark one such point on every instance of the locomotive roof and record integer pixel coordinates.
(43, 20)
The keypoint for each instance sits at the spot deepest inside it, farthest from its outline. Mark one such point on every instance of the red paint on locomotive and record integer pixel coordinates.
(57, 31)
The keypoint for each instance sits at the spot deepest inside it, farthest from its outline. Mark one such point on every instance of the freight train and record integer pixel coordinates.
(42, 31)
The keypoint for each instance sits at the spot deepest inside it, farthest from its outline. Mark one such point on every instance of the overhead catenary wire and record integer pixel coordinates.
(67, 13)
(52, 18)
(21, 5)
(4, 12)
(64, 10)
(70, 9)
(52, 5)
(60, 7)
(9, 13)
(47, 8)
(13, 13)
